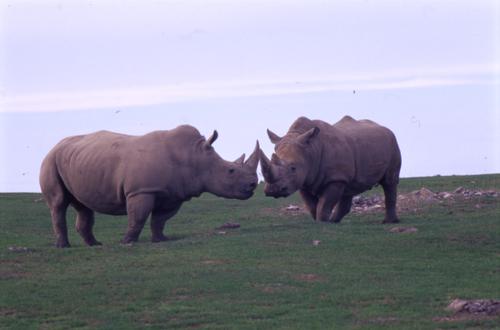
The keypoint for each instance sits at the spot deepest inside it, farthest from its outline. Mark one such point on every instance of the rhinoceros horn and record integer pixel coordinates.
(240, 160)
(253, 160)
(266, 167)
(273, 137)
(211, 139)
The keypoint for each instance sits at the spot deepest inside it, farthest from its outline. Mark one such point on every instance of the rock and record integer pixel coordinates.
(445, 195)
(459, 190)
(491, 193)
(456, 305)
(19, 249)
(292, 207)
(399, 229)
(316, 242)
(425, 193)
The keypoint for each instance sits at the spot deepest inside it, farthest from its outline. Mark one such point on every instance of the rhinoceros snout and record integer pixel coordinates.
(275, 191)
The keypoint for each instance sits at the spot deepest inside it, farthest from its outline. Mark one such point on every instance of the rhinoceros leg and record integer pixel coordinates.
(138, 209)
(342, 209)
(391, 194)
(85, 223)
(328, 199)
(58, 214)
(158, 219)
(58, 202)
(310, 201)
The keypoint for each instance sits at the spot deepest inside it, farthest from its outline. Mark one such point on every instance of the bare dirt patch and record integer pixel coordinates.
(309, 278)
(229, 225)
(12, 269)
(273, 287)
(8, 312)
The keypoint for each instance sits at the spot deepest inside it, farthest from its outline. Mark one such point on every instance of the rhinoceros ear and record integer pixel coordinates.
(308, 136)
(273, 137)
(253, 160)
(265, 166)
(240, 160)
(211, 139)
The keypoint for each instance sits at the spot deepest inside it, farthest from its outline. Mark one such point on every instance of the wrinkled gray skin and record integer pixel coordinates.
(153, 174)
(330, 164)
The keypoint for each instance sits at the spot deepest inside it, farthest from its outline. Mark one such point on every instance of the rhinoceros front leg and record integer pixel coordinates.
(343, 207)
(158, 220)
(311, 202)
(138, 209)
(328, 199)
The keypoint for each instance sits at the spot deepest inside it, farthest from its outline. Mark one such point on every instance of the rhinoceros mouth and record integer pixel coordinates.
(277, 193)
(245, 194)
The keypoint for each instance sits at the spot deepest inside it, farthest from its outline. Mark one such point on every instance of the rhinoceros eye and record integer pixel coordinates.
(293, 168)
(231, 170)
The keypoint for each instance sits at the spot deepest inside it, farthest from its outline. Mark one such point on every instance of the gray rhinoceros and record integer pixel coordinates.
(330, 164)
(153, 174)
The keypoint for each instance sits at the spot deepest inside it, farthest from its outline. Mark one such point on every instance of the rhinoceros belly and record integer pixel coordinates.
(355, 188)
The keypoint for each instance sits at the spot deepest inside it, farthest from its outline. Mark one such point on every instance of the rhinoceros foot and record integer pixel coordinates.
(62, 244)
(390, 220)
(159, 238)
(93, 243)
(129, 240)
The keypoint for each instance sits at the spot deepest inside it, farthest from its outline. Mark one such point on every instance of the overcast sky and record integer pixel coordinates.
(429, 70)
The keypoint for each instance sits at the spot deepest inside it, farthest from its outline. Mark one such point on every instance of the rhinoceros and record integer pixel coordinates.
(153, 174)
(330, 164)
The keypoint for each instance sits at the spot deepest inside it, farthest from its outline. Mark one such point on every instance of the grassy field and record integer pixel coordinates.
(265, 274)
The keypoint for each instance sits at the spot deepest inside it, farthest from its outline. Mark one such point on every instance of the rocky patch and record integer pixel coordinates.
(409, 202)
(463, 310)
(475, 307)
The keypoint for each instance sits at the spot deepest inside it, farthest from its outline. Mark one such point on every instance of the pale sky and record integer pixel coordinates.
(429, 70)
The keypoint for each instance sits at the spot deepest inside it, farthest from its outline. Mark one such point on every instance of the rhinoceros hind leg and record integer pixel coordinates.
(158, 219)
(391, 194)
(59, 226)
(58, 204)
(138, 209)
(85, 223)
(342, 209)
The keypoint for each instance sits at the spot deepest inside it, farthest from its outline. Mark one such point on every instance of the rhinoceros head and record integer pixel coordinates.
(236, 179)
(288, 168)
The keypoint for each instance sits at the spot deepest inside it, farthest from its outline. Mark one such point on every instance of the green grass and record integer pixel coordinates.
(266, 274)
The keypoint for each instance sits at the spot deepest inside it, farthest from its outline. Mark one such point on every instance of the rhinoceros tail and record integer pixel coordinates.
(51, 183)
